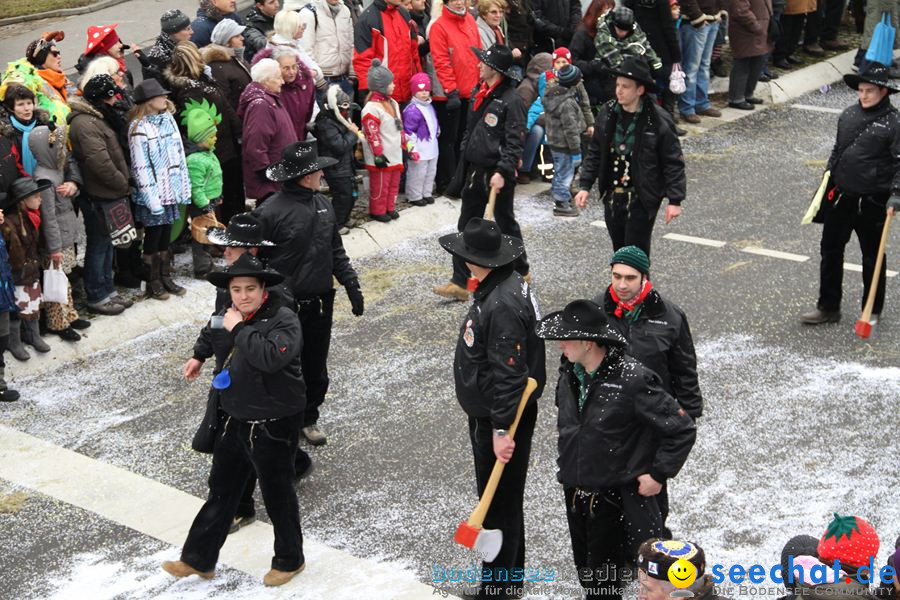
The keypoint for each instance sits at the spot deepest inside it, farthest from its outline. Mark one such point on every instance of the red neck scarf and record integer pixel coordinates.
(35, 217)
(630, 306)
(483, 90)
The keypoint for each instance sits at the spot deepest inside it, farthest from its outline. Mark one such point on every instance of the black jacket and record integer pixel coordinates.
(155, 60)
(655, 18)
(554, 22)
(335, 140)
(308, 249)
(494, 131)
(660, 339)
(256, 19)
(593, 69)
(629, 426)
(266, 380)
(498, 350)
(520, 29)
(871, 163)
(658, 169)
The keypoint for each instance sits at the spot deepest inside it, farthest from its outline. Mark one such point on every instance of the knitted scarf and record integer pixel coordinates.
(631, 308)
(623, 140)
(29, 162)
(56, 80)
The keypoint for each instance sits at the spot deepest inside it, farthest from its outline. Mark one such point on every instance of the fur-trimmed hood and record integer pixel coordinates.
(182, 82)
(216, 53)
(81, 106)
(6, 128)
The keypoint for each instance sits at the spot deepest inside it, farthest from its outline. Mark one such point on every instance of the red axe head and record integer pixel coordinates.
(486, 542)
(863, 329)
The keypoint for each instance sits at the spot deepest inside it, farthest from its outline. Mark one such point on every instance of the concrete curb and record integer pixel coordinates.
(61, 12)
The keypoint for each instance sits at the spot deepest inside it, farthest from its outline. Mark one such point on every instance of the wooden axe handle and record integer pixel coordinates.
(480, 512)
(492, 201)
(870, 300)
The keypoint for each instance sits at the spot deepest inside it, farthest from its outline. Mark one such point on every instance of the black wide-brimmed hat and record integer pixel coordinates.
(499, 58)
(876, 74)
(482, 244)
(243, 231)
(24, 187)
(149, 88)
(580, 320)
(246, 265)
(297, 160)
(637, 69)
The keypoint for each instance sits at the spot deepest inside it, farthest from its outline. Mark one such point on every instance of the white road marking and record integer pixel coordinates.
(775, 254)
(599, 224)
(694, 240)
(858, 269)
(166, 513)
(824, 109)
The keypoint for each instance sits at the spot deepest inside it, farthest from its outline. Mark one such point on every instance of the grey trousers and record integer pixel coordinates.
(420, 178)
(744, 77)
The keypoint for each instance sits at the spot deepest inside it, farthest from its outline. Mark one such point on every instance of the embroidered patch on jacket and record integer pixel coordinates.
(469, 334)
(491, 119)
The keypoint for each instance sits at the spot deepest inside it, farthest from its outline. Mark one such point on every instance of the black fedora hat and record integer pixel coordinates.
(147, 89)
(299, 159)
(246, 265)
(580, 320)
(24, 187)
(637, 69)
(243, 231)
(499, 58)
(482, 244)
(874, 73)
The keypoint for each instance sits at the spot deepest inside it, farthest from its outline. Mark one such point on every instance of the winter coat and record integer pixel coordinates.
(335, 140)
(157, 163)
(660, 339)
(100, 157)
(593, 68)
(328, 38)
(543, 85)
(308, 249)
(268, 129)
(421, 127)
(263, 24)
(229, 73)
(487, 34)
(493, 137)
(303, 57)
(519, 28)
(203, 26)
(385, 32)
(498, 350)
(800, 7)
(266, 379)
(696, 12)
(228, 131)
(384, 133)
(871, 164)
(23, 243)
(422, 21)
(564, 121)
(7, 285)
(452, 37)
(158, 57)
(629, 426)
(655, 18)
(748, 28)
(658, 169)
(298, 96)
(10, 165)
(528, 88)
(613, 50)
(59, 225)
(8, 131)
(554, 22)
(205, 173)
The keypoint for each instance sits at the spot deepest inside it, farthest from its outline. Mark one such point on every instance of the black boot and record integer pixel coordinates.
(6, 394)
(155, 287)
(165, 274)
(125, 271)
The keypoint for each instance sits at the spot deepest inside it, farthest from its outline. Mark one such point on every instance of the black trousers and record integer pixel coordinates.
(865, 216)
(824, 23)
(474, 201)
(242, 449)
(607, 529)
(791, 32)
(506, 512)
(453, 126)
(247, 506)
(315, 315)
(233, 197)
(342, 197)
(628, 221)
(744, 76)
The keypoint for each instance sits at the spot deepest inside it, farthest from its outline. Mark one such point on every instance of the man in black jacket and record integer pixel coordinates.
(658, 334)
(309, 252)
(491, 149)
(865, 173)
(497, 351)
(175, 26)
(554, 23)
(621, 436)
(636, 158)
(262, 18)
(261, 399)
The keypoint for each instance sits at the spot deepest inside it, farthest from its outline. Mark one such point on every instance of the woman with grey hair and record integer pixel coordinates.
(267, 127)
(298, 94)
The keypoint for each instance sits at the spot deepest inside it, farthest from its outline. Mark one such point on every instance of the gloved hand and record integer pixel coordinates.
(894, 202)
(356, 297)
(453, 101)
(380, 161)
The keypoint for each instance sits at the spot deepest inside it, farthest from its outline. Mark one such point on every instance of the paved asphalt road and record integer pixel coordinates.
(799, 422)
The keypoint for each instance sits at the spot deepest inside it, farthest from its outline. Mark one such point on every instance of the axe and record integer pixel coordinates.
(863, 326)
(487, 542)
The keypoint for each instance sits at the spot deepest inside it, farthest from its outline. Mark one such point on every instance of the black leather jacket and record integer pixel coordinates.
(494, 132)
(870, 165)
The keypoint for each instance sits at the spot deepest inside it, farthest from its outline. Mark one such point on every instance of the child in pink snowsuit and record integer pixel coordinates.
(421, 127)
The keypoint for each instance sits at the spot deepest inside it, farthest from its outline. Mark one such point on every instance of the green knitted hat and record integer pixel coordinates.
(633, 257)
(200, 119)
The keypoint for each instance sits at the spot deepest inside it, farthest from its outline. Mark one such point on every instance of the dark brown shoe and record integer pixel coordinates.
(819, 316)
(834, 45)
(710, 112)
(692, 119)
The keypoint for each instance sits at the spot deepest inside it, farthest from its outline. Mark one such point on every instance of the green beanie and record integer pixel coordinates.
(633, 257)
(200, 119)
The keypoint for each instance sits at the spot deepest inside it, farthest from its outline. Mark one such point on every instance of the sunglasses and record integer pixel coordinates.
(56, 53)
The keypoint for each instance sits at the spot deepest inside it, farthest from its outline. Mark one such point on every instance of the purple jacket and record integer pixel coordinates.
(267, 130)
(298, 97)
(414, 122)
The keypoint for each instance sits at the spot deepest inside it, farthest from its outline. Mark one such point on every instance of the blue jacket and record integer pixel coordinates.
(203, 27)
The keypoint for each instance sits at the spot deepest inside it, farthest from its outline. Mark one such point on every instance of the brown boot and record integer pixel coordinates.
(179, 568)
(155, 287)
(165, 272)
(819, 316)
(275, 577)
(451, 291)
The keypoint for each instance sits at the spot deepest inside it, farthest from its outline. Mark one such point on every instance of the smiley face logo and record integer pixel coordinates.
(682, 573)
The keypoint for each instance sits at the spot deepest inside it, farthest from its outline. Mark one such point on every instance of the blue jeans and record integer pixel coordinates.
(696, 53)
(532, 143)
(98, 255)
(563, 172)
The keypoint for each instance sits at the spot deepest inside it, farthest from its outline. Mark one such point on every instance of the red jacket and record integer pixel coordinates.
(387, 33)
(452, 38)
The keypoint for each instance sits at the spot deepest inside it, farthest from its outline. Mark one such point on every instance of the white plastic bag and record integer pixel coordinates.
(676, 80)
(56, 285)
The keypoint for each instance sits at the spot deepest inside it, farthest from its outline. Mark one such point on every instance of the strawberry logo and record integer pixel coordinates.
(851, 540)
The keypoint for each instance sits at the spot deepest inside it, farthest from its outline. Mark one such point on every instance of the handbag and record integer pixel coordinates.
(881, 47)
(676, 80)
(56, 285)
(201, 223)
(116, 214)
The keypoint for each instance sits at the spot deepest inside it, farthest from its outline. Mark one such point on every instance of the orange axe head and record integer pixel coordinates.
(486, 542)
(863, 329)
